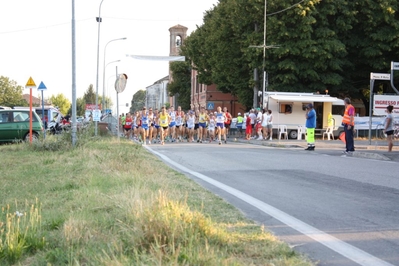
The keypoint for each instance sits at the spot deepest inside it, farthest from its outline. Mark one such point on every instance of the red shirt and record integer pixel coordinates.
(128, 122)
(248, 122)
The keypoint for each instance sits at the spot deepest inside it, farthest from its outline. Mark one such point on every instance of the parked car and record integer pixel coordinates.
(15, 123)
(50, 112)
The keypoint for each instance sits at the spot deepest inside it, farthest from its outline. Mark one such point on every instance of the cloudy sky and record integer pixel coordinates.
(35, 41)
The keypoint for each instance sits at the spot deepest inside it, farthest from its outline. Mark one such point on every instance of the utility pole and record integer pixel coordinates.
(264, 46)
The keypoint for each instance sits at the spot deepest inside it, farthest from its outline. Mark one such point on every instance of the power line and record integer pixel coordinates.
(68, 23)
(271, 14)
(42, 27)
(133, 19)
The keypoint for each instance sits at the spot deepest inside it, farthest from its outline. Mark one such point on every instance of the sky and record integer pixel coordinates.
(36, 41)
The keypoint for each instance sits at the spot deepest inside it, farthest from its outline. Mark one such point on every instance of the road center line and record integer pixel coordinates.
(351, 252)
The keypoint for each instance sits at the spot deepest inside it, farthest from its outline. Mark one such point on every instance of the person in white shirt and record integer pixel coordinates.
(269, 126)
(258, 126)
(252, 115)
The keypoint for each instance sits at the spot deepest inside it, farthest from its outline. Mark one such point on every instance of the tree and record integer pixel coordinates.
(138, 101)
(181, 84)
(329, 44)
(11, 93)
(62, 102)
(90, 96)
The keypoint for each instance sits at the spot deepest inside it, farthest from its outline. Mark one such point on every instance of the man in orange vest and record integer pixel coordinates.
(348, 121)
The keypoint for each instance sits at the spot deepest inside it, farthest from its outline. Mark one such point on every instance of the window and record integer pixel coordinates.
(20, 116)
(338, 110)
(4, 117)
(23, 116)
(285, 108)
(178, 41)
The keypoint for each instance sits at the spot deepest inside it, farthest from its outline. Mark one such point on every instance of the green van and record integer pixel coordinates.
(14, 125)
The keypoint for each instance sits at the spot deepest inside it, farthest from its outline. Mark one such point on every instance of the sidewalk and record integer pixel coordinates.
(377, 150)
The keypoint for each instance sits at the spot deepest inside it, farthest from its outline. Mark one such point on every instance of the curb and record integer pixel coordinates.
(358, 154)
(369, 155)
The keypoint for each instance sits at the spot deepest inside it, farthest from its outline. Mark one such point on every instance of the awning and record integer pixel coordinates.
(305, 98)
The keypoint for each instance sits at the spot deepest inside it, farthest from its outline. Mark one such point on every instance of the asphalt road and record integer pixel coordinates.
(336, 209)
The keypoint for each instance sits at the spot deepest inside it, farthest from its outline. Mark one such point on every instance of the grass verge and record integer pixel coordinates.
(112, 203)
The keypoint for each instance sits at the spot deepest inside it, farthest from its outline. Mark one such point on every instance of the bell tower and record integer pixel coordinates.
(178, 34)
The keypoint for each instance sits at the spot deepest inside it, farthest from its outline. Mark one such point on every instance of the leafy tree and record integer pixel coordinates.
(329, 44)
(181, 84)
(80, 107)
(62, 102)
(11, 93)
(138, 101)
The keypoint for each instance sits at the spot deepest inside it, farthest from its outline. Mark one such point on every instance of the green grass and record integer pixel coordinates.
(112, 203)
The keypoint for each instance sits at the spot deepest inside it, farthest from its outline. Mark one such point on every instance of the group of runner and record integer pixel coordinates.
(176, 125)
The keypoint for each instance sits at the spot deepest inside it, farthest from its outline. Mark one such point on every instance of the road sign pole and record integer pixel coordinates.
(30, 84)
(43, 87)
(44, 122)
(30, 115)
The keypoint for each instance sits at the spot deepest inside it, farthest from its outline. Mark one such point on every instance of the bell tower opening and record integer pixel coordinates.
(178, 34)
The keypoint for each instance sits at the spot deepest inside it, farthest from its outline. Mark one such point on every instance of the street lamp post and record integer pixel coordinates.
(105, 65)
(105, 49)
(98, 19)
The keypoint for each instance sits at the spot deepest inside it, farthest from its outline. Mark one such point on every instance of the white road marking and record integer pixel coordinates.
(351, 252)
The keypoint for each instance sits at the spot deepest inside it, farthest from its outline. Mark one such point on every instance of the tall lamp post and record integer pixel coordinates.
(105, 49)
(105, 65)
(99, 20)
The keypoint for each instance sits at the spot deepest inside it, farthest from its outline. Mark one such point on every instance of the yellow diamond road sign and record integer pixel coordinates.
(30, 83)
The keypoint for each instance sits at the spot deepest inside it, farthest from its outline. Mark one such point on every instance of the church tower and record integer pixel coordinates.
(178, 34)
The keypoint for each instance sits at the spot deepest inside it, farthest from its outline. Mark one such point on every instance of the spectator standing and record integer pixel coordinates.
(310, 126)
(348, 121)
(240, 121)
(248, 129)
(269, 124)
(388, 128)
(264, 124)
(252, 116)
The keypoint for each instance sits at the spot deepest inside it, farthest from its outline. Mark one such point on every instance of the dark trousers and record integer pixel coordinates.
(349, 138)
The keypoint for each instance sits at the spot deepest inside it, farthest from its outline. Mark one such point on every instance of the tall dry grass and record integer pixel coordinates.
(112, 203)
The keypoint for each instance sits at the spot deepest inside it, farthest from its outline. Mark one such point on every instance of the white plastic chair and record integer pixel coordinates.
(282, 130)
(329, 132)
(301, 131)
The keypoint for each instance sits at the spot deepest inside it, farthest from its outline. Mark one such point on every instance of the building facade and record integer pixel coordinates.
(157, 93)
(209, 97)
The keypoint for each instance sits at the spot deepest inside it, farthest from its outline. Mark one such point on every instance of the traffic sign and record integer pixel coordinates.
(395, 65)
(380, 76)
(42, 87)
(210, 106)
(30, 83)
(120, 83)
(96, 115)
